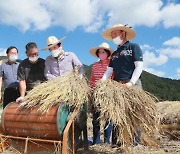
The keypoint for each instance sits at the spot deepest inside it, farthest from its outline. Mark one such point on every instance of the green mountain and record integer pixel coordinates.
(162, 88)
(2, 57)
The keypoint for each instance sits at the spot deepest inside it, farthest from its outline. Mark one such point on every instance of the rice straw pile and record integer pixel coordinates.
(129, 108)
(69, 88)
(169, 116)
(169, 112)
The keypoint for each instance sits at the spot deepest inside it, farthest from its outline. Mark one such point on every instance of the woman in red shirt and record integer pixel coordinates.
(103, 52)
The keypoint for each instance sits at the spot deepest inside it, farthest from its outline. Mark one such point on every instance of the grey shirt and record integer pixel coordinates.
(8, 72)
(57, 67)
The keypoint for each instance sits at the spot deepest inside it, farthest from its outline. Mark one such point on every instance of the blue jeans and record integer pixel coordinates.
(96, 129)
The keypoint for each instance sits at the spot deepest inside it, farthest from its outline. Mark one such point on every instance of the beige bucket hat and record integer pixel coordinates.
(101, 46)
(51, 41)
(130, 33)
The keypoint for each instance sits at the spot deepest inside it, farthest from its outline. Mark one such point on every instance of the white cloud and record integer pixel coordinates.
(178, 70)
(94, 26)
(170, 52)
(132, 12)
(25, 14)
(146, 47)
(2, 52)
(155, 72)
(170, 15)
(175, 41)
(173, 48)
(91, 15)
(151, 59)
(71, 14)
(178, 73)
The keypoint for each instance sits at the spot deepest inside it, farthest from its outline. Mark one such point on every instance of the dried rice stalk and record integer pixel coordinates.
(169, 117)
(169, 112)
(69, 88)
(129, 108)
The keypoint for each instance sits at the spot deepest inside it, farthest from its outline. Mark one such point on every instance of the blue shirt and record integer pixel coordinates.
(122, 60)
(8, 72)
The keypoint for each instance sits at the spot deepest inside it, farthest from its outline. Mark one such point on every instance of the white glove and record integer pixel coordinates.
(104, 78)
(107, 74)
(129, 84)
(81, 76)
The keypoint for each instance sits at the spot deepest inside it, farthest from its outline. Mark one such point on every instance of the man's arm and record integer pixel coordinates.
(138, 62)
(1, 80)
(0, 89)
(137, 71)
(21, 75)
(78, 64)
(47, 72)
(22, 90)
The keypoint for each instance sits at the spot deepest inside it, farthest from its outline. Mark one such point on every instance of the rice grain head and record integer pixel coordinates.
(129, 109)
(70, 89)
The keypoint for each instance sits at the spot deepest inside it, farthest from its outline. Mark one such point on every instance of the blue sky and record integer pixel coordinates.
(156, 22)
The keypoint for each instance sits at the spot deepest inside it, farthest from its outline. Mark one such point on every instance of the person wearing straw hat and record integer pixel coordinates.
(59, 62)
(126, 62)
(30, 71)
(103, 52)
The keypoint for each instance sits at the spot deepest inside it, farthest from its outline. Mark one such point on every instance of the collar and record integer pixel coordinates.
(61, 57)
(10, 63)
(125, 44)
(106, 61)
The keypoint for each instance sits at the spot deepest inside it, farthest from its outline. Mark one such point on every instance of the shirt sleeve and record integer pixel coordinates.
(92, 80)
(77, 63)
(138, 56)
(1, 71)
(21, 73)
(47, 71)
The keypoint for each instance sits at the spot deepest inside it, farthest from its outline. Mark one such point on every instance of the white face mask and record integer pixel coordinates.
(117, 40)
(13, 58)
(33, 59)
(55, 53)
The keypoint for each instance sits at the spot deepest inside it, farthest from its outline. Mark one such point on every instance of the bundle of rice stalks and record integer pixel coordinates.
(169, 112)
(70, 89)
(169, 116)
(129, 108)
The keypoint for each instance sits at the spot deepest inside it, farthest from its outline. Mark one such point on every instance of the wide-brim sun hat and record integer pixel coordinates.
(130, 33)
(52, 41)
(101, 46)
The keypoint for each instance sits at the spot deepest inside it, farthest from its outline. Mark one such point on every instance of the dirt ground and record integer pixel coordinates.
(167, 144)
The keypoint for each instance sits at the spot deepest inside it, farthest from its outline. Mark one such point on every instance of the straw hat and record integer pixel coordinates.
(130, 33)
(101, 46)
(51, 41)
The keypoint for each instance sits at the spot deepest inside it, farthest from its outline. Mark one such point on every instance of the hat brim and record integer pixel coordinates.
(59, 41)
(94, 50)
(130, 33)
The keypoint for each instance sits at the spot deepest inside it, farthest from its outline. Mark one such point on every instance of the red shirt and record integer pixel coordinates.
(98, 70)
